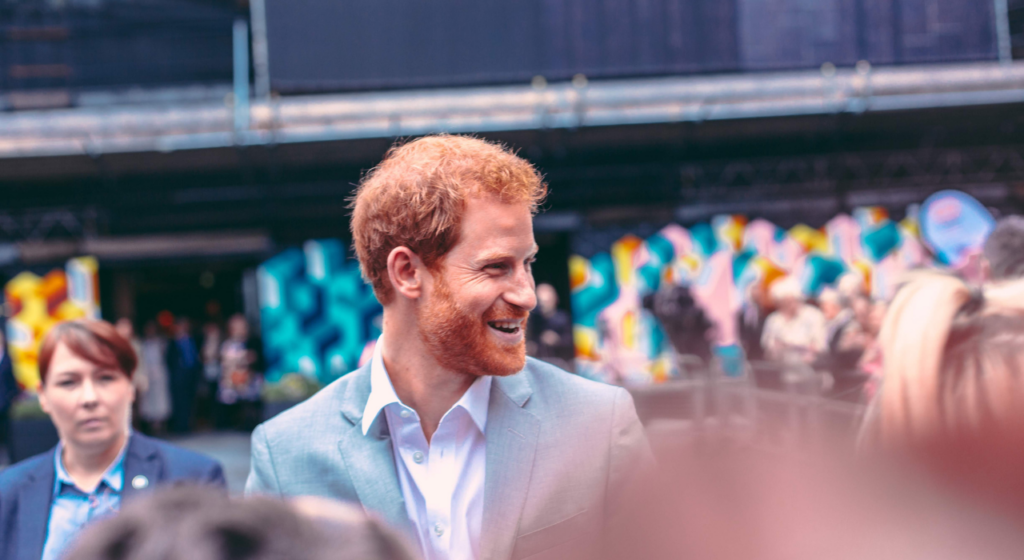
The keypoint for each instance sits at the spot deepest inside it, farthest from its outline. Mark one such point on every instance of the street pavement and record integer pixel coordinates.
(230, 448)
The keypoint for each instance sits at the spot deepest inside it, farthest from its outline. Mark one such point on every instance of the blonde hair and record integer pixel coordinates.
(416, 198)
(832, 295)
(951, 358)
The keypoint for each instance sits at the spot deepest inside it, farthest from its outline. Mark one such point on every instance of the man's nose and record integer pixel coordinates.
(523, 292)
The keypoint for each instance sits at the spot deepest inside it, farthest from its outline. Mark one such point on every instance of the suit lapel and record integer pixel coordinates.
(142, 467)
(511, 437)
(34, 503)
(369, 459)
(371, 466)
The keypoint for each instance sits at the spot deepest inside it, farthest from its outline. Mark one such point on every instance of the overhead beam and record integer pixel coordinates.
(168, 127)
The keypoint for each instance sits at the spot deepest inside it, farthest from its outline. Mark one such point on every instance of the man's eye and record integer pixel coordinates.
(495, 266)
(65, 383)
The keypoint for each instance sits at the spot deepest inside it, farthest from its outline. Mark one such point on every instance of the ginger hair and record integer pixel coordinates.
(416, 198)
(953, 357)
(94, 340)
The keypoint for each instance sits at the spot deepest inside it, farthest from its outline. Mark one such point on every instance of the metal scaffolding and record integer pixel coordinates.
(190, 125)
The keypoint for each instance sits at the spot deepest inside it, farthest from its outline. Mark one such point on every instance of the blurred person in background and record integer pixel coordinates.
(155, 402)
(753, 314)
(796, 331)
(685, 323)
(838, 315)
(953, 395)
(140, 377)
(8, 389)
(841, 320)
(194, 524)
(86, 388)
(184, 368)
(210, 385)
(861, 306)
(860, 346)
(451, 433)
(871, 360)
(851, 285)
(1004, 250)
(549, 329)
(856, 336)
(241, 376)
(857, 351)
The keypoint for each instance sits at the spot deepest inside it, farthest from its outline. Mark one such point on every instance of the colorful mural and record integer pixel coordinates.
(725, 262)
(35, 304)
(318, 316)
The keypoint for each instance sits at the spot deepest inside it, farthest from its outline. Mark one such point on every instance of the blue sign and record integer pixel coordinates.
(954, 225)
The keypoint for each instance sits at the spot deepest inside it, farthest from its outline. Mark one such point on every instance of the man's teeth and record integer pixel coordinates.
(510, 326)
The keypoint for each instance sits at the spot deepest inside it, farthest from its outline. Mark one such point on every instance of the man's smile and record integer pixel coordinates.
(507, 330)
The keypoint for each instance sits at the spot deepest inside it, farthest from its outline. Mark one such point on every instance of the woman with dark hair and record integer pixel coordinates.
(685, 323)
(86, 370)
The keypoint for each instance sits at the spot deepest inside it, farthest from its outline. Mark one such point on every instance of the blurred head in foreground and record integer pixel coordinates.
(716, 500)
(443, 229)
(953, 389)
(1004, 249)
(190, 523)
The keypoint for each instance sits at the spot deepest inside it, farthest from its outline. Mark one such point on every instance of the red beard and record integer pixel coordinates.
(460, 341)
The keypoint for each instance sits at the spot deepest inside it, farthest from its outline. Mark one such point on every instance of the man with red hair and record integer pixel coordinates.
(450, 432)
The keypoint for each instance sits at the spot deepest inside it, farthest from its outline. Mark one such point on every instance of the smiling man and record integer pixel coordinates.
(451, 432)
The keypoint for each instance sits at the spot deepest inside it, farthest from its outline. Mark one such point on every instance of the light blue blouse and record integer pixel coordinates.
(72, 508)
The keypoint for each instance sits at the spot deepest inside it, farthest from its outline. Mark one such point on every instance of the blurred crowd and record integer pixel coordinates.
(836, 332)
(185, 379)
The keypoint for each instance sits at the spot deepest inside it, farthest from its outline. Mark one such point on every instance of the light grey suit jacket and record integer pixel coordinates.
(560, 452)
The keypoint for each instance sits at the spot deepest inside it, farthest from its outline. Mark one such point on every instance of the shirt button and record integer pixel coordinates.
(438, 529)
(405, 413)
(417, 457)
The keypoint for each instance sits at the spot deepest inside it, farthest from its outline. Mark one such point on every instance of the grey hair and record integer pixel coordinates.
(1004, 249)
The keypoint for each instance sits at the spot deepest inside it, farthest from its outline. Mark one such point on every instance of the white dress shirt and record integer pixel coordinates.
(443, 481)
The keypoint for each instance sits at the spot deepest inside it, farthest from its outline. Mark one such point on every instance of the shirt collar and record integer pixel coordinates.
(382, 393)
(113, 477)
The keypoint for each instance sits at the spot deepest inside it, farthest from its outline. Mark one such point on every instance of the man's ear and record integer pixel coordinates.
(406, 271)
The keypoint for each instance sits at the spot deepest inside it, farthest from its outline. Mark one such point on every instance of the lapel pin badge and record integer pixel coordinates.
(140, 482)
